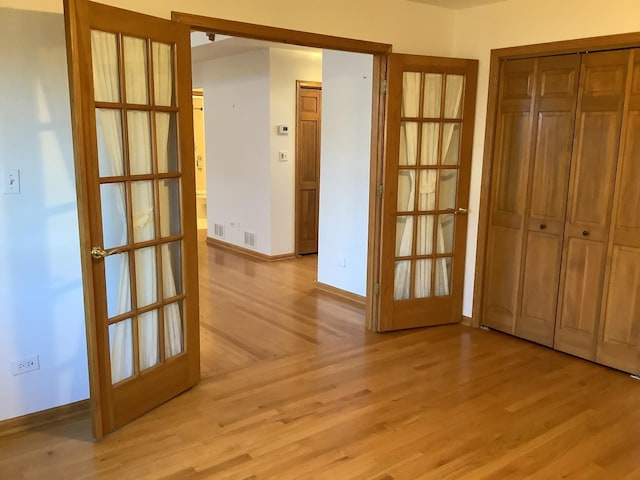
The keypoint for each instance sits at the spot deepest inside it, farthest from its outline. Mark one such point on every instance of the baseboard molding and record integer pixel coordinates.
(38, 419)
(467, 320)
(343, 294)
(213, 242)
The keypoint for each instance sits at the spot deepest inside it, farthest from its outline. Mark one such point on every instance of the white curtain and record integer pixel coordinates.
(426, 183)
(105, 69)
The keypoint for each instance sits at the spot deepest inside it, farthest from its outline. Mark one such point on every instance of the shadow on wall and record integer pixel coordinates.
(40, 279)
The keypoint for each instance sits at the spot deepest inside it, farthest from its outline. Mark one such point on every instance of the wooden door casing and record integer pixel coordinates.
(552, 140)
(308, 128)
(619, 332)
(596, 140)
(117, 403)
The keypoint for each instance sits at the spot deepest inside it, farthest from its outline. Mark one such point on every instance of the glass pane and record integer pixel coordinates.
(406, 190)
(148, 343)
(408, 143)
(169, 195)
(139, 143)
(171, 269)
(451, 144)
(173, 330)
(146, 276)
(121, 349)
(106, 69)
(453, 96)
(423, 278)
(427, 189)
(404, 236)
(167, 142)
(425, 235)
(118, 284)
(448, 189)
(445, 233)
(114, 215)
(402, 281)
(144, 224)
(432, 95)
(443, 277)
(410, 94)
(136, 76)
(163, 83)
(110, 149)
(429, 150)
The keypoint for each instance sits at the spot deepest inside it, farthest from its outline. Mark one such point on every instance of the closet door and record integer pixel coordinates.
(508, 198)
(619, 336)
(596, 140)
(554, 115)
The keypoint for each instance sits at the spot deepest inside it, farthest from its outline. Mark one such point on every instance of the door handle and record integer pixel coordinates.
(98, 253)
(461, 211)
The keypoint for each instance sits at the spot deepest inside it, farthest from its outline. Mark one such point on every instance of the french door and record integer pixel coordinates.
(130, 80)
(429, 132)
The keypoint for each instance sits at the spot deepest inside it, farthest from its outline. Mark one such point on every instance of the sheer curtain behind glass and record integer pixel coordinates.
(106, 84)
(425, 181)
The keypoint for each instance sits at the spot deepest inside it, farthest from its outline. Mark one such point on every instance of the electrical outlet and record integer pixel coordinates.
(25, 365)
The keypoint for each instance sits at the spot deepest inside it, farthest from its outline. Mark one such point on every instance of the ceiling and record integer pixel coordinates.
(457, 4)
(224, 46)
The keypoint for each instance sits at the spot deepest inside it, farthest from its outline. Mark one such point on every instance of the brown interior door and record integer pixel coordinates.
(309, 114)
(429, 129)
(556, 88)
(508, 193)
(619, 335)
(133, 137)
(593, 171)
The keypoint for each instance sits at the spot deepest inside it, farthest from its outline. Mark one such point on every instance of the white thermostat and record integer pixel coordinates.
(283, 129)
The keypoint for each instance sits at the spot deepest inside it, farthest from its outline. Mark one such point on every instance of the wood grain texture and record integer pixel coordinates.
(45, 417)
(295, 388)
(594, 162)
(340, 293)
(307, 195)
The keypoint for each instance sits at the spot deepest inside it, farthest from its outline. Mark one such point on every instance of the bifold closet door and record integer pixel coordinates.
(619, 338)
(553, 126)
(596, 140)
(508, 198)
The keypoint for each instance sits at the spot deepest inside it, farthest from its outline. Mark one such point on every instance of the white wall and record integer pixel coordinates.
(40, 280)
(236, 105)
(286, 66)
(522, 22)
(410, 26)
(344, 170)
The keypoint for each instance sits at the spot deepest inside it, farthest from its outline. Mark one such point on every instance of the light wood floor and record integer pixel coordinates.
(294, 388)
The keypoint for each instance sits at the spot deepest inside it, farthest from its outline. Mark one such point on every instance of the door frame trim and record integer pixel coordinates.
(300, 84)
(591, 44)
(380, 52)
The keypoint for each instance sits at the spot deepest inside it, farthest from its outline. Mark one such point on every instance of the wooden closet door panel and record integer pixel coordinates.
(594, 161)
(555, 108)
(619, 336)
(508, 200)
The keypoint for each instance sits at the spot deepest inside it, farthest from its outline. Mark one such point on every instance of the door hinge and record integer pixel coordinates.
(380, 191)
(383, 86)
(376, 289)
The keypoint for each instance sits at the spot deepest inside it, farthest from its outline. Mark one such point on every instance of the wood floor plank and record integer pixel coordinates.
(294, 388)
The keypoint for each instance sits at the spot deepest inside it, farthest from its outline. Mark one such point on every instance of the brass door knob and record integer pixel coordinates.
(461, 211)
(98, 253)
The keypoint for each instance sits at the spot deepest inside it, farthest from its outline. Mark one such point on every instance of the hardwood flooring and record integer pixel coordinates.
(294, 388)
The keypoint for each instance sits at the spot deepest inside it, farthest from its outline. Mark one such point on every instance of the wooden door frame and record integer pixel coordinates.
(300, 84)
(380, 52)
(591, 44)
